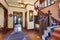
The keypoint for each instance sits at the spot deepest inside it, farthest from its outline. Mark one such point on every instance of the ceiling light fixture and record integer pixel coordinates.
(22, 4)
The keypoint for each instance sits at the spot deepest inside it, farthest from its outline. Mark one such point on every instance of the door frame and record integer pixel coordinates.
(26, 20)
(5, 17)
(13, 17)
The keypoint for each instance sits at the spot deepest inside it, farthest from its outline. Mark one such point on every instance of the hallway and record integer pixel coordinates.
(37, 18)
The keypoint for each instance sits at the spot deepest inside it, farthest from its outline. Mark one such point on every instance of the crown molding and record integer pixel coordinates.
(16, 6)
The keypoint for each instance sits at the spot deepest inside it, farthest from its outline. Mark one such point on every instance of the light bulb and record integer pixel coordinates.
(22, 5)
(19, 1)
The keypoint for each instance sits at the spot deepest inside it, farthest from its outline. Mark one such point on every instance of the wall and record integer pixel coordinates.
(54, 10)
(1, 17)
(10, 19)
(30, 24)
(2, 12)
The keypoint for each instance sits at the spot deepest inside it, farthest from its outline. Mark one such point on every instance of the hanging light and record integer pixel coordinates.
(21, 3)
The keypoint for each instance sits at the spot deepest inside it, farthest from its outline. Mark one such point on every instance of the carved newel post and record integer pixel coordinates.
(49, 18)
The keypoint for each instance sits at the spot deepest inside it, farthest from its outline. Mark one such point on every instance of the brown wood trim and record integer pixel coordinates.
(16, 6)
(34, 5)
(26, 20)
(10, 29)
(30, 29)
(5, 18)
(35, 2)
(54, 19)
(13, 17)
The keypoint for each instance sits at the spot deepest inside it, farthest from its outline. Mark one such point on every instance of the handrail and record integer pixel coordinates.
(55, 20)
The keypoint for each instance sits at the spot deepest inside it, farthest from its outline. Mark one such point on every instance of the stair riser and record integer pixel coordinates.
(55, 37)
(57, 31)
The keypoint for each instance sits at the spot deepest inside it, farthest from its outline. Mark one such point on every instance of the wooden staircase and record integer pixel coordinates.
(45, 29)
(56, 34)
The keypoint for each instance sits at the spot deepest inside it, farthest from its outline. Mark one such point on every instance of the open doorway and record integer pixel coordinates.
(18, 18)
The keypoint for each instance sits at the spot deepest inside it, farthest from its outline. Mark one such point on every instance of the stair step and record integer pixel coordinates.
(57, 30)
(51, 28)
(44, 36)
(46, 31)
(52, 39)
(48, 28)
(55, 36)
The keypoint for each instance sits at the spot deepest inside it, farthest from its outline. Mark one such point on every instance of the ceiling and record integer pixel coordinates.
(15, 2)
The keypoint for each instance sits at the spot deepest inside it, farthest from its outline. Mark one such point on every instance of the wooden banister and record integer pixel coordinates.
(55, 20)
(44, 21)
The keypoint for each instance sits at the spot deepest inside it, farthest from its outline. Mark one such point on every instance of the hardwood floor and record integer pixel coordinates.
(30, 33)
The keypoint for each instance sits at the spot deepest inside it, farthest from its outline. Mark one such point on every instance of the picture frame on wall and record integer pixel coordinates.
(30, 15)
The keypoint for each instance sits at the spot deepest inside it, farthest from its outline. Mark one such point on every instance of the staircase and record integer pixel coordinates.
(56, 34)
(47, 33)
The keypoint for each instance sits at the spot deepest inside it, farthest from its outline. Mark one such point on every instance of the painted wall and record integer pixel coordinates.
(30, 24)
(1, 17)
(53, 9)
(10, 19)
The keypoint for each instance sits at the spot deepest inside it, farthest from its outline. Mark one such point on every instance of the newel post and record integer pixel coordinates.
(49, 18)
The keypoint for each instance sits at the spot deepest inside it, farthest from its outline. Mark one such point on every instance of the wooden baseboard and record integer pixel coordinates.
(10, 28)
(30, 29)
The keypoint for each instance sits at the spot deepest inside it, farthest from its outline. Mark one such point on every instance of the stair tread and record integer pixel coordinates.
(55, 34)
(52, 39)
(57, 28)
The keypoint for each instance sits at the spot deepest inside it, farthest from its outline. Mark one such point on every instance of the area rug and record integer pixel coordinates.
(18, 36)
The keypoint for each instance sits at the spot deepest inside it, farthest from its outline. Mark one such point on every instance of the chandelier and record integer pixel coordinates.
(22, 3)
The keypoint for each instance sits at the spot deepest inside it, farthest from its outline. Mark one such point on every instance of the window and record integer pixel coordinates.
(45, 3)
(40, 7)
(15, 18)
(52, 1)
(49, 2)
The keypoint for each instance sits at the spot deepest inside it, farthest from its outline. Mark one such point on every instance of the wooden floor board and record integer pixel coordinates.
(31, 34)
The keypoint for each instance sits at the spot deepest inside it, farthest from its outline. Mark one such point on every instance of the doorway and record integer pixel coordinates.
(18, 18)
